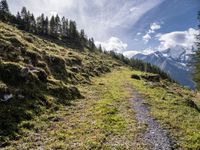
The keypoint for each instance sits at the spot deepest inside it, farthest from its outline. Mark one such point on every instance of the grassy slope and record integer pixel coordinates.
(103, 120)
(176, 108)
(40, 75)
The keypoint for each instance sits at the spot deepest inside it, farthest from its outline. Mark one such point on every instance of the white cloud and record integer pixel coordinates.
(131, 53)
(101, 19)
(133, 9)
(153, 27)
(146, 37)
(113, 44)
(139, 33)
(185, 39)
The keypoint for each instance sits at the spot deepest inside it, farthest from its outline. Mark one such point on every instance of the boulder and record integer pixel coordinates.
(135, 76)
(152, 78)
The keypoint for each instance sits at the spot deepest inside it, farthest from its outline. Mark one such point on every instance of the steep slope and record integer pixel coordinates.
(53, 97)
(36, 74)
(174, 62)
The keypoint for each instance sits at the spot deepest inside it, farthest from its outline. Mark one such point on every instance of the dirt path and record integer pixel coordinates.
(154, 136)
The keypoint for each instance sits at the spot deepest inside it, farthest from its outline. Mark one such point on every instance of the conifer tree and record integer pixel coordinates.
(4, 11)
(64, 25)
(196, 74)
(52, 29)
(4, 6)
(91, 44)
(57, 25)
(33, 28)
(72, 29)
(40, 24)
(46, 25)
(24, 18)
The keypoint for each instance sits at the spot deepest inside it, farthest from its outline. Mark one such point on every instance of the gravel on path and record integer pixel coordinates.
(154, 136)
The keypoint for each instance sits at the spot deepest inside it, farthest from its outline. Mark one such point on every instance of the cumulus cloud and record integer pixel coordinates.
(153, 27)
(146, 37)
(185, 39)
(133, 9)
(132, 53)
(113, 44)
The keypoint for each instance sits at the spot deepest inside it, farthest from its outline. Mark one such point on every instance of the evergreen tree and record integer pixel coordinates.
(196, 59)
(64, 25)
(83, 37)
(4, 6)
(46, 25)
(24, 19)
(40, 24)
(52, 29)
(33, 28)
(92, 46)
(4, 11)
(100, 48)
(72, 29)
(57, 25)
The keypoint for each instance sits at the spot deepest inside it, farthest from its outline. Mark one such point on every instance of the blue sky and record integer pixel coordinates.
(128, 25)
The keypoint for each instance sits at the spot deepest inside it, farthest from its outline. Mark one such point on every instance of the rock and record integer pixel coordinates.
(137, 77)
(152, 78)
(7, 97)
(24, 71)
(42, 75)
(192, 104)
(75, 69)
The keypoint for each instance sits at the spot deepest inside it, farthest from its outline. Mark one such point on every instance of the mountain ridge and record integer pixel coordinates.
(175, 62)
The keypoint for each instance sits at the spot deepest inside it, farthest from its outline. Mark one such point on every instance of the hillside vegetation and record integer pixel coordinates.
(37, 74)
(40, 85)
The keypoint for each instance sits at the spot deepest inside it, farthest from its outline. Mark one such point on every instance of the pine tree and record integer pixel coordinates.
(196, 59)
(91, 44)
(57, 25)
(72, 29)
(4, 11)
(52, 29)
(46, 25)
(64, 30)
(24, 18)
(4, 6)
(83, 37)
(33, 28)
(40, 24)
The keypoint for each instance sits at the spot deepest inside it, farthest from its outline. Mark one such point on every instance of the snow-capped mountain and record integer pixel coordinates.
(174, 61)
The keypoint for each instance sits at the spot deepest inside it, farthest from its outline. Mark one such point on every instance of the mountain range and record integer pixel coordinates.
(174, 61)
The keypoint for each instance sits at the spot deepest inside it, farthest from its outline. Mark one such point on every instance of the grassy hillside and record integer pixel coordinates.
(36, 75)
(176, 108)
(54, 97)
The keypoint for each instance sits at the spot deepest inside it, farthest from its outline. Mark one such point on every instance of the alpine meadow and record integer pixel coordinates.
(99, 75)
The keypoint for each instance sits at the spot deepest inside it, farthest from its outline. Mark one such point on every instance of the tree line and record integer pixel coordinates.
(140, 65)
(54, 27)
(65, 30)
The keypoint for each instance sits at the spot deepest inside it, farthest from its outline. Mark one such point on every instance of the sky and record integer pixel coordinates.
(126, 26)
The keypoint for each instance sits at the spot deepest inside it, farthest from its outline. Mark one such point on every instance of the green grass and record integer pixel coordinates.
(103, 120)
(42, 114)
(33, 69)
(173, 107)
